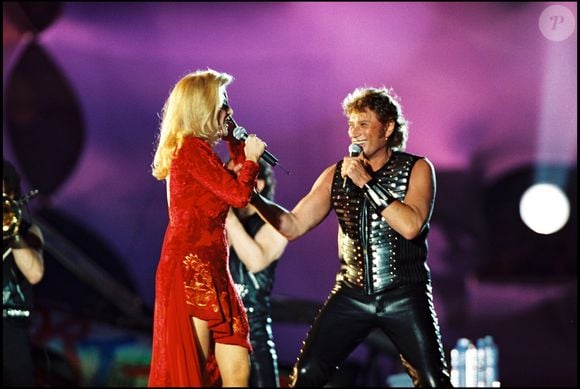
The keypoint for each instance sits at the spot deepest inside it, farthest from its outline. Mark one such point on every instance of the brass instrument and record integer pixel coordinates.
(12, 213)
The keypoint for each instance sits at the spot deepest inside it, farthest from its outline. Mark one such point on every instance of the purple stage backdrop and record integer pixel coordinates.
(489, 88)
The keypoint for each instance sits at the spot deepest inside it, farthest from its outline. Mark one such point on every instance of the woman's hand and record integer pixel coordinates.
(254, 147)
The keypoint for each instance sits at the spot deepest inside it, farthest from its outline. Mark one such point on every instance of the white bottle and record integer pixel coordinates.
(471, 366)
(492, 363)
(481, 363)
(458, 360)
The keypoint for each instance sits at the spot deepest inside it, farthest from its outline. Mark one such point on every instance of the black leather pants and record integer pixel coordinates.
(405, 314)
(264, 360)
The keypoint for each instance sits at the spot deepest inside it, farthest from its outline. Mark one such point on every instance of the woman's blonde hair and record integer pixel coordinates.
(190, 110)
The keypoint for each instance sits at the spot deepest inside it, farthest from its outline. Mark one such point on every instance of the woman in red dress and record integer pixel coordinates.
(200, 329)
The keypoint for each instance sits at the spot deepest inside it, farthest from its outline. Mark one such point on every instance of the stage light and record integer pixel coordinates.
(525, 240)
(544, 208)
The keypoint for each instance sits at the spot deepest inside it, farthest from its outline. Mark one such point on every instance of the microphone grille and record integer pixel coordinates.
(354, 149)
(240, 133)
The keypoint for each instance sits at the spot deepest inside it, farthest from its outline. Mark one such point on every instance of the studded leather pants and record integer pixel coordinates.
(405, 314)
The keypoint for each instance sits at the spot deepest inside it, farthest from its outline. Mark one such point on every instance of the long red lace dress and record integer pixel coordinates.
(192, 277)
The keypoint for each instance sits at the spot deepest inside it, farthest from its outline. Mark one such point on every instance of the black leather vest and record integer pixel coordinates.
(372, 255)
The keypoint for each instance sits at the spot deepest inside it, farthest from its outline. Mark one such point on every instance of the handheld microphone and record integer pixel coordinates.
(354, 150)
(240, 134)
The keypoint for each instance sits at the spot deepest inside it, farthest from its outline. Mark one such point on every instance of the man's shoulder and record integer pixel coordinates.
(407, 155)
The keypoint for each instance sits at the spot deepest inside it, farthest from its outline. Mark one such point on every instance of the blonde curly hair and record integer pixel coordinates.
(190, 110)
(386, 104)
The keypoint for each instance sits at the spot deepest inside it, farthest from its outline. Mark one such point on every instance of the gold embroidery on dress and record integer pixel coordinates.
(237, 326)
(225, 302)
(199, 289)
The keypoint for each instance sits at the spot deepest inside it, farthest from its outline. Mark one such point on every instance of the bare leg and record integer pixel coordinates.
(234, 364)
(233, 361)
(202, 338)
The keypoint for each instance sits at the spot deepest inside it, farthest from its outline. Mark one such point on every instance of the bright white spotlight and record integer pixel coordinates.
(544, 208)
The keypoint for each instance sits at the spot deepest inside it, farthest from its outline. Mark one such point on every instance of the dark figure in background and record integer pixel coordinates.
(383, 199)
(255, 249)
(22, 267)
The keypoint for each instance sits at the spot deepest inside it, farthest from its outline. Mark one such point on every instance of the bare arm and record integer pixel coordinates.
(28, 257)
(307, 214)
(258, 252)
(410, 216)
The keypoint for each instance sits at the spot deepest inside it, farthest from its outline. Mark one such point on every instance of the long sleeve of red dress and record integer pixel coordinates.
(192, 276)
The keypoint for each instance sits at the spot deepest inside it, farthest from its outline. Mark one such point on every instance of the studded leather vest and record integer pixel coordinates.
(372, 255)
